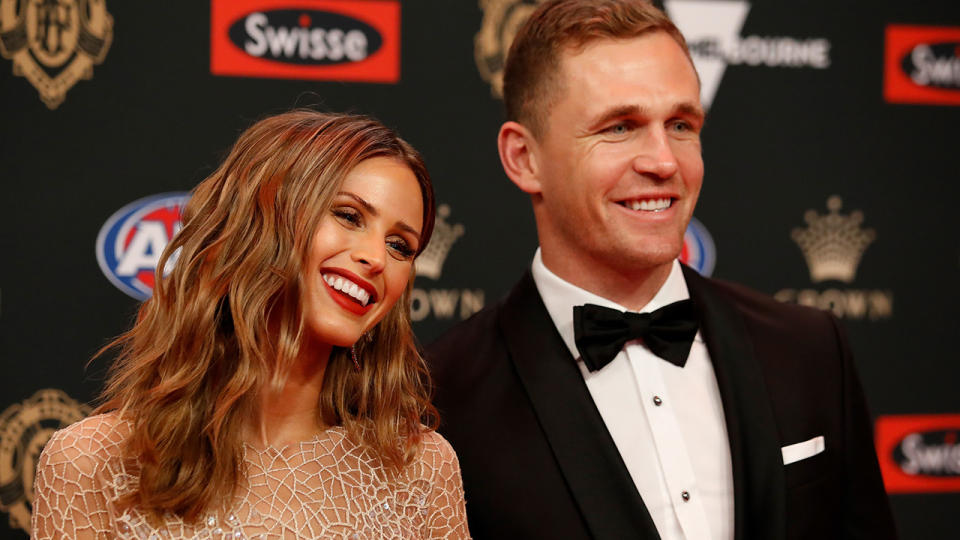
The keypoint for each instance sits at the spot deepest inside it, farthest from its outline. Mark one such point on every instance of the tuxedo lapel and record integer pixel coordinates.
(758, 478)
(586, 454)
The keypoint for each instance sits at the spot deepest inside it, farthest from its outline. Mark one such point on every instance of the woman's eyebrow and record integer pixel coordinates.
(375, 213)
(367, 206)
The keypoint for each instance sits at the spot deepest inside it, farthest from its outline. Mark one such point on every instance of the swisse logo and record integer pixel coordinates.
(344, 40)
(131, 241)
(305, 37)
(919, 453)
(934, 453)
(922, 65)
(934, 65)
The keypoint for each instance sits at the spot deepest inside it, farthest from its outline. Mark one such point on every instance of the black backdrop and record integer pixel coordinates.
(781, 140)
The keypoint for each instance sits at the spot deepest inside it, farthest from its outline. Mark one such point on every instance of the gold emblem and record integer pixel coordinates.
(430, 262)
(54, 43)
(442, 303)
(24, 429)
(833, 243)
(501, 20)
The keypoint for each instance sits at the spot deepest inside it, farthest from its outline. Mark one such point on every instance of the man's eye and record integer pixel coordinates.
(618, 129)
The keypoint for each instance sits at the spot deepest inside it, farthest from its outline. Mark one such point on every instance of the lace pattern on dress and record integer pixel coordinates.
(324, 488)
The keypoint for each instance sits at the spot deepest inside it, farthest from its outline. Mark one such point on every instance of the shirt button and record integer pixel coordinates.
(685, 496)
(657, 401)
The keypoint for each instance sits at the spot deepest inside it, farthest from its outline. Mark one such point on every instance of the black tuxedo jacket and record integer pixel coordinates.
(538, 461)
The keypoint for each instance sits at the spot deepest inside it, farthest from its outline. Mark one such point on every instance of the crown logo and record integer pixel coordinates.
(833, 243)
(430, 262)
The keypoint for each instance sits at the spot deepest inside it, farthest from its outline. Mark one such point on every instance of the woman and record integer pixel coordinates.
(271, 387)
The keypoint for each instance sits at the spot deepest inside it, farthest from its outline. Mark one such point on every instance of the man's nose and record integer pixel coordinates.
(656, 157)
(370, 251)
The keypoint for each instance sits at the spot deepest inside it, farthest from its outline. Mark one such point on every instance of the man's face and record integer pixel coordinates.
(618, 164)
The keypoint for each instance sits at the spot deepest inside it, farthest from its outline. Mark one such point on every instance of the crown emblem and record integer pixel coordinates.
(833, 243)
(430, 262)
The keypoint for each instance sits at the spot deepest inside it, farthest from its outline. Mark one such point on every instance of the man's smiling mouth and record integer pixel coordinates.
(647, 205)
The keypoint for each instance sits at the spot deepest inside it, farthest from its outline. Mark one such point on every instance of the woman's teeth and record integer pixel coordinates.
(347, 287)
(650, 205)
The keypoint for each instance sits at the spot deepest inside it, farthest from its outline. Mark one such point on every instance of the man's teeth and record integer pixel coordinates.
(651, 205)
(347, 287)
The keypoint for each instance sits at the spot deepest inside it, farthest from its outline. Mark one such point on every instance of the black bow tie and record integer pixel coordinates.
(601, 332)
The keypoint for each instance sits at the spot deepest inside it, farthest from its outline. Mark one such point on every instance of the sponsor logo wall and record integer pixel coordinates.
(24, 429)
(832, 245)
(922, 65)
(112, 111)
(712, 29)
(919, 453)
(344, 40)
(131, 241)
(442, 303)
(55, 43)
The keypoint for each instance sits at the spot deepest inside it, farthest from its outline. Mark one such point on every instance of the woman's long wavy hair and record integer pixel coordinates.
(225, 325)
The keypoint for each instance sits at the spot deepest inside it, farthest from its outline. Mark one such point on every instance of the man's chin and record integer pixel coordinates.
(651, 258)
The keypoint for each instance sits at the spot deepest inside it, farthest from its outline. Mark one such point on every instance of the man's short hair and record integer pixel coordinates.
(531, 76)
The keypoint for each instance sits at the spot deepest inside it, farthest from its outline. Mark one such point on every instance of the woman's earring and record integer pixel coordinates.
(353, 354)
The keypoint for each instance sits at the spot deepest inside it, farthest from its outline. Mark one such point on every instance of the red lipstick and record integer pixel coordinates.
(344, 300)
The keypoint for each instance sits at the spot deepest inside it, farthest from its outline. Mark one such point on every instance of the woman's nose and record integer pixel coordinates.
(370, 252)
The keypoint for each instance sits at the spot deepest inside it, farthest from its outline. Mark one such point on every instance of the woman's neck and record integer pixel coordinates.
(290, 414)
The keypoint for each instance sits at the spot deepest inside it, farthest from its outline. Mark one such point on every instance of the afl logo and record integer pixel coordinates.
(130, 243)
(698, 252)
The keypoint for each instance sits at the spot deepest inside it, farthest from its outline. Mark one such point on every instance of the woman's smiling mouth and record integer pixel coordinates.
(350, 292)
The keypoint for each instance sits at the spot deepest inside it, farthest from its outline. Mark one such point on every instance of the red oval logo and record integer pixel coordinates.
(305, 37)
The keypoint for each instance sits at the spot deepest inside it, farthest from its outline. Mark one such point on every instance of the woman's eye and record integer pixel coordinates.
(347, 215)
(401, 248)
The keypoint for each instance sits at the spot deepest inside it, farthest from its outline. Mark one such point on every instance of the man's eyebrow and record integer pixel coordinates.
(621, 111)
(690, 109)
(372, 210)
(617, 111)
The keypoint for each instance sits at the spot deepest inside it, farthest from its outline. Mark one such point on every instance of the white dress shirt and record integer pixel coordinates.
(666, 421)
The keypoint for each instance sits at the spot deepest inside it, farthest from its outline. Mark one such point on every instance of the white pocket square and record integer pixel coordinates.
(803, 450)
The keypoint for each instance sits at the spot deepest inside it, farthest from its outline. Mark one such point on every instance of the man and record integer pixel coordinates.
(568, 421)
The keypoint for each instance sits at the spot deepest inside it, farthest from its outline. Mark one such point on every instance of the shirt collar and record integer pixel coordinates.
(559, 297)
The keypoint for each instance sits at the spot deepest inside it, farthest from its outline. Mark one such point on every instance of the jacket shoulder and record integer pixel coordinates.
(478, 328)
(758, 308)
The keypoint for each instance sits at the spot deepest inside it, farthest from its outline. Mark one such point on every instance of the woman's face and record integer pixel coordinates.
(361, 255)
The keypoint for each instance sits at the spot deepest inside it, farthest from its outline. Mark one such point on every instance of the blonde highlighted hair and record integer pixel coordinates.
(226, 323)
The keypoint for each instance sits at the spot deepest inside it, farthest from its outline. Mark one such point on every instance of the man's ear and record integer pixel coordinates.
(518, 154)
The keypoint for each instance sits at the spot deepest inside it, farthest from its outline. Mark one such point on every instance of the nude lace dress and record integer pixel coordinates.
(327, 487)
